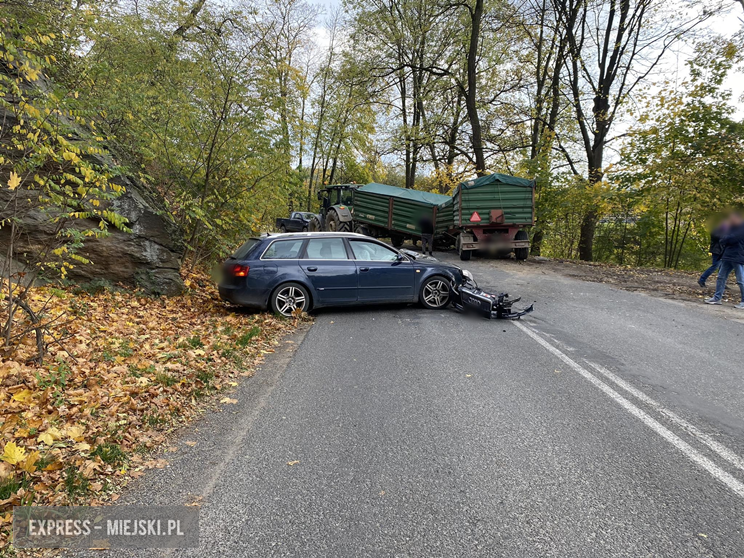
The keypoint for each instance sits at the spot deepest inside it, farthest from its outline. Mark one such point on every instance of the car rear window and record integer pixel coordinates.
(284, 250)
(246, 248)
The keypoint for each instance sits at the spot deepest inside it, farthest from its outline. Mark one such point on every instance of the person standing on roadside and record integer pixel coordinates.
(716, 250)
(732, 259)
(427, 234)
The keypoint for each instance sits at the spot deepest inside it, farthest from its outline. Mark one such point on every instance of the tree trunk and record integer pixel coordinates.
(471, 99)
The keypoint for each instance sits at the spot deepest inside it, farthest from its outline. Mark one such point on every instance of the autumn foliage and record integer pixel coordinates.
(126, 370)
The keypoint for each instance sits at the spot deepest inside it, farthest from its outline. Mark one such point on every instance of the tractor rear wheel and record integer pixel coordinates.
(335, 224)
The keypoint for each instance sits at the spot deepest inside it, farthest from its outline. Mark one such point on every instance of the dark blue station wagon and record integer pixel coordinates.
(304, 271)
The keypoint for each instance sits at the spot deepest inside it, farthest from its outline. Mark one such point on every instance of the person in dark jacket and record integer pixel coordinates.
(716, 250)
(732, 259)
(427, 234)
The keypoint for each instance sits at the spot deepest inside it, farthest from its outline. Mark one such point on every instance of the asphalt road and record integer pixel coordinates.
(607, 423)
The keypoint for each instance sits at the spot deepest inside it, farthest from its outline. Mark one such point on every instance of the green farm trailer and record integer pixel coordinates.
(490, 213)
(387, 211)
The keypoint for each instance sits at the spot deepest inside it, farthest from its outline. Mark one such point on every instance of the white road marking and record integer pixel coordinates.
(691, 453)
(716, 446)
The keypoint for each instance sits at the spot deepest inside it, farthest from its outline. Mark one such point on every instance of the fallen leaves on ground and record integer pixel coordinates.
(77, 427)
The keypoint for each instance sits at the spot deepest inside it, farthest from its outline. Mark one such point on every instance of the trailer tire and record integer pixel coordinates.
(435, 292)
(335, 224)
(397, 240)
(361, 229)
(464, 254)
(521, 253)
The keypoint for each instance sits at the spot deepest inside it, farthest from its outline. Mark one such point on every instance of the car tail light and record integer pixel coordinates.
(240, 270)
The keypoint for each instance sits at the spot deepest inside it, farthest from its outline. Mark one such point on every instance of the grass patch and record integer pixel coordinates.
(75, 483)
(165, 379)
(109, 453)
(245, 339)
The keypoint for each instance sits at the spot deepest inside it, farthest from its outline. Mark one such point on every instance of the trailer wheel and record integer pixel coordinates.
(435, 292)
(335, 224)
(361, 229)
(464, 254)
(521, 253)
(397, 240)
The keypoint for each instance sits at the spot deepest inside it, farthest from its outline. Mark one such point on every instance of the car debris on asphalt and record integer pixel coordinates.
(468, 297)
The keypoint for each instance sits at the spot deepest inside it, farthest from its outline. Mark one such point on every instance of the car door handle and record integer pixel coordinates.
(312, 269)
(363, 269)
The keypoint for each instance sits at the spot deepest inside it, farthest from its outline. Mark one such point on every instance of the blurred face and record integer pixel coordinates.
(735, 219)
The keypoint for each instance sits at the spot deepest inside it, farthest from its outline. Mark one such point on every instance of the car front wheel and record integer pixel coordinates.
(289, 298)
(435, 293)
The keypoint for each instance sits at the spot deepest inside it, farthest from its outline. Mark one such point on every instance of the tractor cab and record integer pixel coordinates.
(340, 194)
(335, 208)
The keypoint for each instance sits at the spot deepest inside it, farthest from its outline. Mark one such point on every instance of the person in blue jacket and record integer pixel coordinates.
(716, 251)
(732, 259)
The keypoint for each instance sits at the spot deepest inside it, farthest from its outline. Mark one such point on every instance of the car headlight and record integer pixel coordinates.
(466, 273)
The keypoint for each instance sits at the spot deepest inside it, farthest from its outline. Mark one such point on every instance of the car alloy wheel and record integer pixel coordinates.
(290, 299)
(436, 293)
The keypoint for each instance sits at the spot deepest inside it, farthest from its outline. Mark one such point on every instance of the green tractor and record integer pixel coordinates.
(335, 208)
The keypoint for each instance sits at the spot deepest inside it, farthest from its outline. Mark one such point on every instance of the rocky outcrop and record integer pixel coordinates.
(149, 257)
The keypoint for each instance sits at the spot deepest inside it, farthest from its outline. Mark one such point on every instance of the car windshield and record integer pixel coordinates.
(246, 248)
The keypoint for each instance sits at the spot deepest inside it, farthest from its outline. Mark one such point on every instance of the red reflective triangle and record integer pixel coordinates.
(475, 218)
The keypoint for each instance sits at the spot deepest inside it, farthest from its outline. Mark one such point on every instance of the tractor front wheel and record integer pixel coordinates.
(314, 225)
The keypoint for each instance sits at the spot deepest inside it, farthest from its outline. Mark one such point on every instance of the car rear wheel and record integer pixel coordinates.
(288, 298)
(282, 229)
(435, 292)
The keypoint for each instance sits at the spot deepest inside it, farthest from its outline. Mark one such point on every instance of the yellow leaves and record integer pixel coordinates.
(23, 396)
(14, 181)
(75, 433)
(45, 438)
(29, 464)
(13, 454)
(70, 156)
(292, 463)
(228, 400)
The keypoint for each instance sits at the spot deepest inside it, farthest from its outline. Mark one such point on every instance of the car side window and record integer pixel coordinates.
(284, 250)
(325, 249)
(372, 252)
